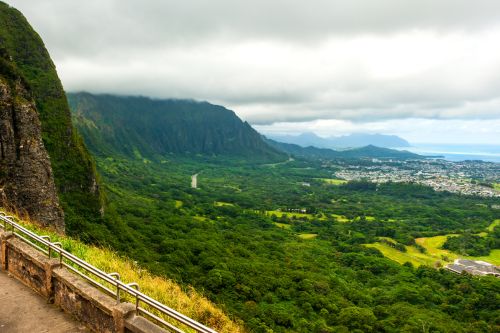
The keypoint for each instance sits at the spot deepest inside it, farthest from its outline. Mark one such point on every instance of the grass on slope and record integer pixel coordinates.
(308, 236)
(434, 244)
(411, 255)
(341, 218)
(222, 204)
(332, 181)
(294, 215)
(434, 252)
(185, 300)
(283, 226)
(288, 214)
(493, 225)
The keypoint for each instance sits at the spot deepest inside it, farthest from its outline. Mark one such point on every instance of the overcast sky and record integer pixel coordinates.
(426, 70)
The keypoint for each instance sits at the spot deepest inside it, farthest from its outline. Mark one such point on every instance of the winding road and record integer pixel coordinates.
(194, 181)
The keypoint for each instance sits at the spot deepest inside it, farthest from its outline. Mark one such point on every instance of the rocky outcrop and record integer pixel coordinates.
(26, 180)
(74, 170)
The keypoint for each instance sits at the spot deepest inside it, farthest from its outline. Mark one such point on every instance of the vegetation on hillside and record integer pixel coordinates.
(469, 244)
(148, 128)
(73, 167)
(239, 238)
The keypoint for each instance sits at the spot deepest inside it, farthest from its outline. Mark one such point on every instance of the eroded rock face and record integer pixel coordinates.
(26, 180)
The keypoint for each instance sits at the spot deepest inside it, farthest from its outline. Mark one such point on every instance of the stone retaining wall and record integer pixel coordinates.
(98, 311)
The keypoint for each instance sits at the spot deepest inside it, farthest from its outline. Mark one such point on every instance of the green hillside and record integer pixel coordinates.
(369, 151)
(73, 167)
(144, 127)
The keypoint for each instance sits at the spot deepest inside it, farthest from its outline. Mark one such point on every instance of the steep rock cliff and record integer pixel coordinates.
(26, 180)
(74, 169)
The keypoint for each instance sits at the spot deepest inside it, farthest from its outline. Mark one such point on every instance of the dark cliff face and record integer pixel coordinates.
(26, 180)
(74, 169)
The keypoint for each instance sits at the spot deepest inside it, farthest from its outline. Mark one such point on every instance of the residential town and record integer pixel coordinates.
(468, 177)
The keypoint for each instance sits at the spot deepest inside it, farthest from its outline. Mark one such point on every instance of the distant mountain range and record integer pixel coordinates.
(342, 142)
(145, 127)
(369, 151)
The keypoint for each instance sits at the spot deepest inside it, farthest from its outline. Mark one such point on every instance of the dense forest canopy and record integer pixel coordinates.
(242, 239)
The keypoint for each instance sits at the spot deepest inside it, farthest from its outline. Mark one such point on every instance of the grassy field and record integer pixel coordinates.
(308, 236)
(434, 244)
(288, 214)
(341, 218)
(221, 203)
(283, 226)
(332, 181)
(323, 217)
(496, 186)
(493, 225)
(411, 255)
(367, 218)
(434, 253)
(184, 300)
(493, 258)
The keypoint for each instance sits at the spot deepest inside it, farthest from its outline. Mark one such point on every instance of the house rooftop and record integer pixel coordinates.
(473, 267)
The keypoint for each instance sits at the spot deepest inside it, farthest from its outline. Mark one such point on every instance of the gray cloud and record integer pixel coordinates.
(282, 60)
(94, 24)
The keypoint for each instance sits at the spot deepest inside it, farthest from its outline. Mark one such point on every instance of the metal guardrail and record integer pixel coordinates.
(113, 279)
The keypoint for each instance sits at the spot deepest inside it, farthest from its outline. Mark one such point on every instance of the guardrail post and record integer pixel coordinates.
(4, 255)
(121, 312)
(136, 286)
(116, 276)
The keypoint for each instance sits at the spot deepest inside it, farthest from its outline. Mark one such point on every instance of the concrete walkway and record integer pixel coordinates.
(22, 311)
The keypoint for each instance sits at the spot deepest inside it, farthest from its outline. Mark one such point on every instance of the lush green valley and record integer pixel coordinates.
(234, 239)
(280, 244)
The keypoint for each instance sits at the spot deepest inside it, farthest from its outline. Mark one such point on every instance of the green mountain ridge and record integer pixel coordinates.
(369, 151)
(74, 169)
(144, 127)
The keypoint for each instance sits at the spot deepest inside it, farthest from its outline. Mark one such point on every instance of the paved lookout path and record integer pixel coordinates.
(22, 310)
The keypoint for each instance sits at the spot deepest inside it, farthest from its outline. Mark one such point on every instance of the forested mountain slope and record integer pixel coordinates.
(140, 126)
(73, 167)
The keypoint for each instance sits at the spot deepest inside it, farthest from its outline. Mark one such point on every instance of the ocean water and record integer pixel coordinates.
(490, 153)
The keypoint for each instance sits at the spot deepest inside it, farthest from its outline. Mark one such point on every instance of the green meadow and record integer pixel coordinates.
(434, 253)
(332, 181)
